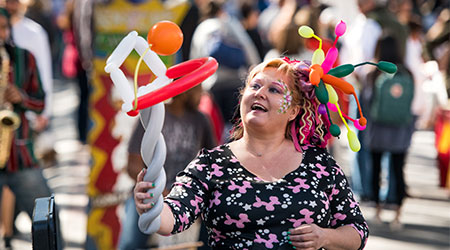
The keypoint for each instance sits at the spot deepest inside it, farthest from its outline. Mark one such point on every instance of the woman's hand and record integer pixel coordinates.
(140, 193)
(307, 237)
(12, 94)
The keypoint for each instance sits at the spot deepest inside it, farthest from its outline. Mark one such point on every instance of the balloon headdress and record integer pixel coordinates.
(318, 80)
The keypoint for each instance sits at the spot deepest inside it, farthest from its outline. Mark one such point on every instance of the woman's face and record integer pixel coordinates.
(267, 102)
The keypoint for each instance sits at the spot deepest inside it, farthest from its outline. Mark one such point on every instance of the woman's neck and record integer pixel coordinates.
(263, 144)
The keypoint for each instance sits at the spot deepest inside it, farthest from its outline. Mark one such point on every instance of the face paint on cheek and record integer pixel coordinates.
(286, 100)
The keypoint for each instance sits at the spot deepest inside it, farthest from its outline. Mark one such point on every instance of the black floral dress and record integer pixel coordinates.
(242, 211)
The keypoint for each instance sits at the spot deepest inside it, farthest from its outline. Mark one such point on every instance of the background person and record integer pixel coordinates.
(25, 93)
(382, 137)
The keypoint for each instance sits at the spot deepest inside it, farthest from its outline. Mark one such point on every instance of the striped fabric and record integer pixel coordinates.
(25, 76)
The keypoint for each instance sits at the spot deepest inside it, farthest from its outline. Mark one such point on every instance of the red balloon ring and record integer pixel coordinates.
(192, 73)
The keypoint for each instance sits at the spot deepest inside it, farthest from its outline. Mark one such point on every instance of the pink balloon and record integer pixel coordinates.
(330, 58)
(358, 126)
(340, 28)
(332, 107)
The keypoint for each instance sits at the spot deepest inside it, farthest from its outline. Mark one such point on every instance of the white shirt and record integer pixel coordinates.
(415, 64)
(29, 35)
(360, 42)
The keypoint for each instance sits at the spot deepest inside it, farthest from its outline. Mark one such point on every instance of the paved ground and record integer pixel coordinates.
(426, 214)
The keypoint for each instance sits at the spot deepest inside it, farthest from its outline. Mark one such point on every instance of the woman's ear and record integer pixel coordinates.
(294, 112)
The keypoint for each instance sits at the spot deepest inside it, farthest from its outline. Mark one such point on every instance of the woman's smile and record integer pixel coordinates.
(258, 107)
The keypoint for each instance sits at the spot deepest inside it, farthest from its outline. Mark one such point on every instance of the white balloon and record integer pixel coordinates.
(153, 146)
(151, 58)
(110, 67)
(121, 83)
(123, 50)
(153, 152)
(156, 84)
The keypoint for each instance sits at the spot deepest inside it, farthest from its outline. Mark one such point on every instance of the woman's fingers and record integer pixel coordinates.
(143, 186)
(142, 207)
(302, 237)
(141, 175)
(304, 229)
(306, 237)
(141, 196)
(140, 193)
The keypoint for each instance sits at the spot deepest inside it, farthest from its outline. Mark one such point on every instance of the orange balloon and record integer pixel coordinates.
(317, 68)
(314, 77)
(315, 74)
(165, 38)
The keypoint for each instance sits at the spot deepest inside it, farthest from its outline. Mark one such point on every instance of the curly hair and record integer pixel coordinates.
(308, 127)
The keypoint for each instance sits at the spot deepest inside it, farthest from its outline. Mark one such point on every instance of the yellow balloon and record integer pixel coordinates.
(305, 31)
(353, 141)
(318, 56)
(332, 95)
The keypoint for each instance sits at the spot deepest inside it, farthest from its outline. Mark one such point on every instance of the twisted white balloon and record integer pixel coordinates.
(153, 151)
(153, 147)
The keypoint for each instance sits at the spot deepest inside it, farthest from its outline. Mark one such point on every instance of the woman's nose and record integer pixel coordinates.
(261, 93)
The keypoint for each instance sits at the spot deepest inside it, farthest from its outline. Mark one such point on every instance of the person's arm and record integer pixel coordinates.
(44, 65)
(350, 228)
(135, 165)
(140, 193)
(31, 95)
(185, 202)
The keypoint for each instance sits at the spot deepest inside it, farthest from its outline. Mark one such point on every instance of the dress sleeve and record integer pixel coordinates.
(344, 209)
(33, 95)
(189, 192)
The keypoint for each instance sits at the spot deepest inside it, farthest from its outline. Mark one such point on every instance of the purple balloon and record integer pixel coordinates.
(322, 109)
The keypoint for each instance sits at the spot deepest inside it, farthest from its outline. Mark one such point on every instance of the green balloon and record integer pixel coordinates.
(322, 93)
(341, 71)
(335, 130)
(387, 67)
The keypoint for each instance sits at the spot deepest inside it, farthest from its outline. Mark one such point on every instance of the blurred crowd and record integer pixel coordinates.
(58, 35)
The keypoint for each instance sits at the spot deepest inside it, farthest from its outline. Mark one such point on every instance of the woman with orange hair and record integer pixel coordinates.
(274, 186)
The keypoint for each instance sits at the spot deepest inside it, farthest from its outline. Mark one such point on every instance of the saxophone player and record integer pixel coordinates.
(23, 93)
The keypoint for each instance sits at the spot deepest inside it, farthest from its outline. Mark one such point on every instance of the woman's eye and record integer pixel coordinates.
(275, 90)
(255, 86)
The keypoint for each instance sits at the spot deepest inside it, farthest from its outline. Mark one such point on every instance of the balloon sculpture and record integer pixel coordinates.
(164, 38)
(325, 79)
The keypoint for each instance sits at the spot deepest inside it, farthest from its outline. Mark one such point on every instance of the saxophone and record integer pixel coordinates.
(9, 121)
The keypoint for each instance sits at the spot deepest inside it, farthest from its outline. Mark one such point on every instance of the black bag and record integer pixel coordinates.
(45, 225)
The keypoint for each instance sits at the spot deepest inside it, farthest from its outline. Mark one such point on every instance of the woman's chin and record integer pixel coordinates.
(256, 121)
